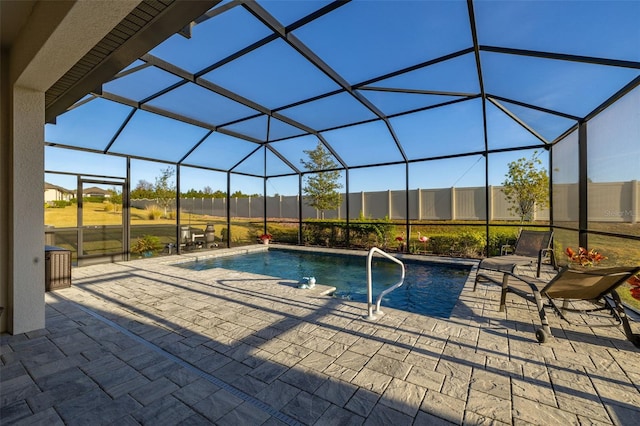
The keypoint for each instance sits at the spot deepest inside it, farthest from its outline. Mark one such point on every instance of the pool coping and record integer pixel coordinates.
(188, 257)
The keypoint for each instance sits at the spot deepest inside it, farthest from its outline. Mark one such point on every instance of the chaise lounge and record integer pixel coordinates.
(596, 285)
(531, 247)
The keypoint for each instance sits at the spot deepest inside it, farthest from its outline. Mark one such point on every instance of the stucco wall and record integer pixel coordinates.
(55, 36)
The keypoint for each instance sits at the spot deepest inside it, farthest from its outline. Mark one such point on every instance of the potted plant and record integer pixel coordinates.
(145, 246)
(583, 257)
(265, 238)
(634, 282)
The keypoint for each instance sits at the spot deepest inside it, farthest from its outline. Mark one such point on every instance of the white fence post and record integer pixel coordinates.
(453, 203)
(635, 202)
(490, 201)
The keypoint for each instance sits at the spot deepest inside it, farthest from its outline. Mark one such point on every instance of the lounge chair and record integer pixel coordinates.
(596, 285)
(531, 247)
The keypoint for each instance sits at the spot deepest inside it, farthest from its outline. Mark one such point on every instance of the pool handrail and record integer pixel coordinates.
(369, 282)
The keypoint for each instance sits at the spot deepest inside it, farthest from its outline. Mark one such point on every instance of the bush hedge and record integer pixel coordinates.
(57, 204)
(463, 241)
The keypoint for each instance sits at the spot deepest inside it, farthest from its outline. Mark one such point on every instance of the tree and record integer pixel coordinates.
(165, 189)
(143, 190)
(321, 188)
(240, 194)
(192, 193)
(526, 186)
(115, 199)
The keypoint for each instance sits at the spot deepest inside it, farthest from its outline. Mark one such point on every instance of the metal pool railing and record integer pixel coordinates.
(369, 285)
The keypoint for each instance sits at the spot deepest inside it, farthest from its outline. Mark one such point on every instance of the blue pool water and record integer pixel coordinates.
(429, 288)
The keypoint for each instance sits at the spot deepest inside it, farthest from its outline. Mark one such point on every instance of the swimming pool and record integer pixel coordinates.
(429, 288)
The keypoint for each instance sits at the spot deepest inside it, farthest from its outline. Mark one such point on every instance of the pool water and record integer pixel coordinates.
(429, 288)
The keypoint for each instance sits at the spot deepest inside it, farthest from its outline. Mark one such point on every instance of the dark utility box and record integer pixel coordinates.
(57, 268)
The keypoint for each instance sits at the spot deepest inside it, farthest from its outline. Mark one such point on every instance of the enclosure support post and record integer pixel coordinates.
(582, 184)
(300, 208)
(406, 201)
(348, 208)
(178, 215)
(80, 201)
(126, 211)
(264, 205)
(228, 236)
(551, 221)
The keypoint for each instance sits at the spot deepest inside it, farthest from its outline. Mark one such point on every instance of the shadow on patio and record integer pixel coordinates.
(144, 342)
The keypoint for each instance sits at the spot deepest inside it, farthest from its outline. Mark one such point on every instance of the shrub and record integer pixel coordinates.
(144, 244)
(500, 237)
(363, 232)
(58, 204)
(93, 199)
(289, 236)
(368, 232)
(463, 243)
(153, 212)
(323, 233)
(110, 206)
(442, 244)
(470, 243)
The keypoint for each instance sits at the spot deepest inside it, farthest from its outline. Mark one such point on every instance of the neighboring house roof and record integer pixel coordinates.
(94, 190)
(48, 185)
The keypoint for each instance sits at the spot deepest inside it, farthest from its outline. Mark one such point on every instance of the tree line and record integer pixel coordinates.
(164, 188)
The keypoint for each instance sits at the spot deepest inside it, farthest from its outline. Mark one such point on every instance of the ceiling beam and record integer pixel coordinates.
(562, 57)
(515, 118)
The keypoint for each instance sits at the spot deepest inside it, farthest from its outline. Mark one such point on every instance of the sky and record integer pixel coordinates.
(360, 41)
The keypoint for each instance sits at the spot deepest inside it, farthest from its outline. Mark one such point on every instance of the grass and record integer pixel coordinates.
(98, 214)
(106, 240)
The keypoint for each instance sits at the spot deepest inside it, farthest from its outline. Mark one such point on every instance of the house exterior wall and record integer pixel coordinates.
(55, 36)
(53, 194)
(5, 193)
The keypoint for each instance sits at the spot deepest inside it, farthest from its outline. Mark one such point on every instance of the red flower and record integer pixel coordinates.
(634, 282)
(265, 237)
(584, 257)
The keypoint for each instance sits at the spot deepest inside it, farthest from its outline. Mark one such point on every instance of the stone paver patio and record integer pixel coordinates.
(144, 342)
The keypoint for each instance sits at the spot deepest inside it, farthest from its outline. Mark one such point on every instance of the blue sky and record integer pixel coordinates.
(360, 41)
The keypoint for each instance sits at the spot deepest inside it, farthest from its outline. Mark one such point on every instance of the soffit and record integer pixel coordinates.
(148, 24)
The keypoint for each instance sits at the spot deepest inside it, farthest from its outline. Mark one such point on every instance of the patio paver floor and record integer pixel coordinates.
(143, 342)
